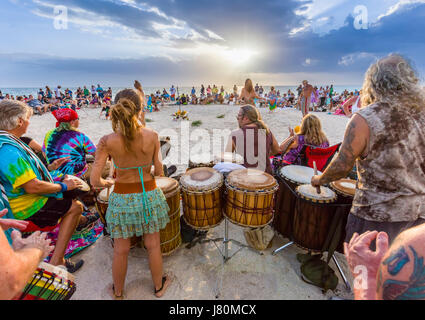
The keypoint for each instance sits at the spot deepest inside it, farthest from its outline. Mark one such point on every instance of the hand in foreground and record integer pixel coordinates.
(291, 132)
(138, 85)
(315, 181)
(7, 224)
(36, 240)
(58, 163)
(109, 182)
(72, 184)
(358, 252)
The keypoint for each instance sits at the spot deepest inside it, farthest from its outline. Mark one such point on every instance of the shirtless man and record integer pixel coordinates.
(305, 97)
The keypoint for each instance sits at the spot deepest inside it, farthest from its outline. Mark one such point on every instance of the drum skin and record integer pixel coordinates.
(250, 198)
(312, 221)
(171, 236)
(202, 205)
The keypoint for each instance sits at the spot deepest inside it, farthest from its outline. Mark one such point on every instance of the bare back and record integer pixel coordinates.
(146, 153)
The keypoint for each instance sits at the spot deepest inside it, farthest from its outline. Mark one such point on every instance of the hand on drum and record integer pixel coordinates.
(358, 252)
(315, 181)
(72, 184)
(58, 163)
(36, 240)
(7, 224)
(109, 182)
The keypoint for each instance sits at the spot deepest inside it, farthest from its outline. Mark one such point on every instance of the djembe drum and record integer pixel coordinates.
(170, 236)
(201, 195)
(290, 177)
(229, 158)
(345, 190)
(313, 217)
(49, 283)
(250, 196)
(204, 160)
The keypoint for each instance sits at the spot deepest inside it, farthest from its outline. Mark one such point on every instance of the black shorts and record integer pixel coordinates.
(53, 210)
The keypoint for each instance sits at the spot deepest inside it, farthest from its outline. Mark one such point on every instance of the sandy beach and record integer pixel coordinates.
(199, 273)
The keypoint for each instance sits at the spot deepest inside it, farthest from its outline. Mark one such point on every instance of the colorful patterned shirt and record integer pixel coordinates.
(15, 172)
(293, 155)
(73, 144)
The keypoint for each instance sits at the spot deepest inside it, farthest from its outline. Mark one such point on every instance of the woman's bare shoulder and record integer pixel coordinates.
(106, 140)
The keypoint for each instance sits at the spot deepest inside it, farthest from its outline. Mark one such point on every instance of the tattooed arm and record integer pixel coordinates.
(401, 275)
(355, 144)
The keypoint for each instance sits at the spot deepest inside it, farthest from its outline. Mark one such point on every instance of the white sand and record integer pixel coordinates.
(198, 272)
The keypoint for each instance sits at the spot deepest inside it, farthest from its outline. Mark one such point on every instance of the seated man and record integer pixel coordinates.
(253, 140)
(32, 193)
(65, 141)
(37, 105)
(394, 273)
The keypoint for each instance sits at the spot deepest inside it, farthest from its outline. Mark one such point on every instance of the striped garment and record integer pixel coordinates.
(73, 144)
(4, 204)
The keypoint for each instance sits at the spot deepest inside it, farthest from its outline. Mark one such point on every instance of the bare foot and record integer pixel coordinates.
(165, 286)
(111, 291)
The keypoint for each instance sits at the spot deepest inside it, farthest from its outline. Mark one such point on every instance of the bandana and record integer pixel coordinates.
(64, 115)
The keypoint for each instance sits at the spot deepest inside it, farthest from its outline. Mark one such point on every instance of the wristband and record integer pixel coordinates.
(63, 186)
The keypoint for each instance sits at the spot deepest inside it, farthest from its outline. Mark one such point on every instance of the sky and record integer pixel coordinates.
(194, 42)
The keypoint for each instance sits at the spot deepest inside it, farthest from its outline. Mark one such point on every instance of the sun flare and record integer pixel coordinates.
(240, 56)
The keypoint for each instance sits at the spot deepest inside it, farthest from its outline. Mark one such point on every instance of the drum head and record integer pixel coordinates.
(85, 187)
(202, 179)
(229, 157)
(249, 179)
(201, 160)
(345, 186)
(307, 191)
(298, 174)
(103, 195)
(64, 274)
(167, 185)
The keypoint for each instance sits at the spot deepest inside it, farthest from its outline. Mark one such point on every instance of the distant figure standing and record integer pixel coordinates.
(305, 97)
(248, 94)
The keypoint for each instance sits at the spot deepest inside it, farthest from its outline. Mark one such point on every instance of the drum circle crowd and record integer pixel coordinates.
(301, 188)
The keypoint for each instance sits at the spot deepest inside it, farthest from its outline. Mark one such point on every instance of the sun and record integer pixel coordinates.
(240, 56)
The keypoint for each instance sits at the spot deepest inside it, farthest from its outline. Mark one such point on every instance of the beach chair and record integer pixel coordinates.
(322, 156)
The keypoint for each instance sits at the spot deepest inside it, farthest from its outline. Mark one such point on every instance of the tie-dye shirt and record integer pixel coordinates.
(15, 172)
(73, 144)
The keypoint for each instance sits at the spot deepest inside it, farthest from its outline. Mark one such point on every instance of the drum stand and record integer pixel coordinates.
(225, 255)
(347, 284)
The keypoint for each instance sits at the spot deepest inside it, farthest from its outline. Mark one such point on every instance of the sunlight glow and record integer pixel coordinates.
(240, 56)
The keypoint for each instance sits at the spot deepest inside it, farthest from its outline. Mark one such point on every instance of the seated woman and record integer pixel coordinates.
(311, 134)
(137, 207)
(67, 142)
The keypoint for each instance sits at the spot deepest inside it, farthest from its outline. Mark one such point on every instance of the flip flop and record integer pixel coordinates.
(166, 281)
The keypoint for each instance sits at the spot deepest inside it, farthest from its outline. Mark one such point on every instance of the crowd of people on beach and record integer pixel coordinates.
(39, 186)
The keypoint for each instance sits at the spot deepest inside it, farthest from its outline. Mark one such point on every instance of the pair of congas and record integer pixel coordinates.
(246, 198)
(170, 236)
(305, 216)
(49, 283)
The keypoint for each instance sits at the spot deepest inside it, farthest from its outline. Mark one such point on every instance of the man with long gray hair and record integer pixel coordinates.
(386, 139)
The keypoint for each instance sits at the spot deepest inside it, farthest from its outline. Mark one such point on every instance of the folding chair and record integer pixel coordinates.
(322, 156)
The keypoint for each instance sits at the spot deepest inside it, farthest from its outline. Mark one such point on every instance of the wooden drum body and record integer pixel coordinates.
(171, 236)
(201, 194)
(290, 177)
(345, 190)
(313, 217)
(102, 203)
(250, 198)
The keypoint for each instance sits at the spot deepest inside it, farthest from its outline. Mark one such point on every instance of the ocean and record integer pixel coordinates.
(152, 90)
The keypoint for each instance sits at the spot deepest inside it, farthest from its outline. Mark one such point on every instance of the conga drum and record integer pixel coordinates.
(289, 177)
(49, 283)
(250, 196)
(204, 160)
(313, 217)
(170, 236)
(201, 195)
(345, 190)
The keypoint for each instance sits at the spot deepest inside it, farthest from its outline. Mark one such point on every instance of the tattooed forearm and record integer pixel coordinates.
(344, 163)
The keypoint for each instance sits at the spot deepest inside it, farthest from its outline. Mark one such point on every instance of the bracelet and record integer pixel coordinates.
(63, 186)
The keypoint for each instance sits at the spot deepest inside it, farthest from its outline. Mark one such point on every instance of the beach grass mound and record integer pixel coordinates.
(197, 123)
(148, 120)
(221, 116)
